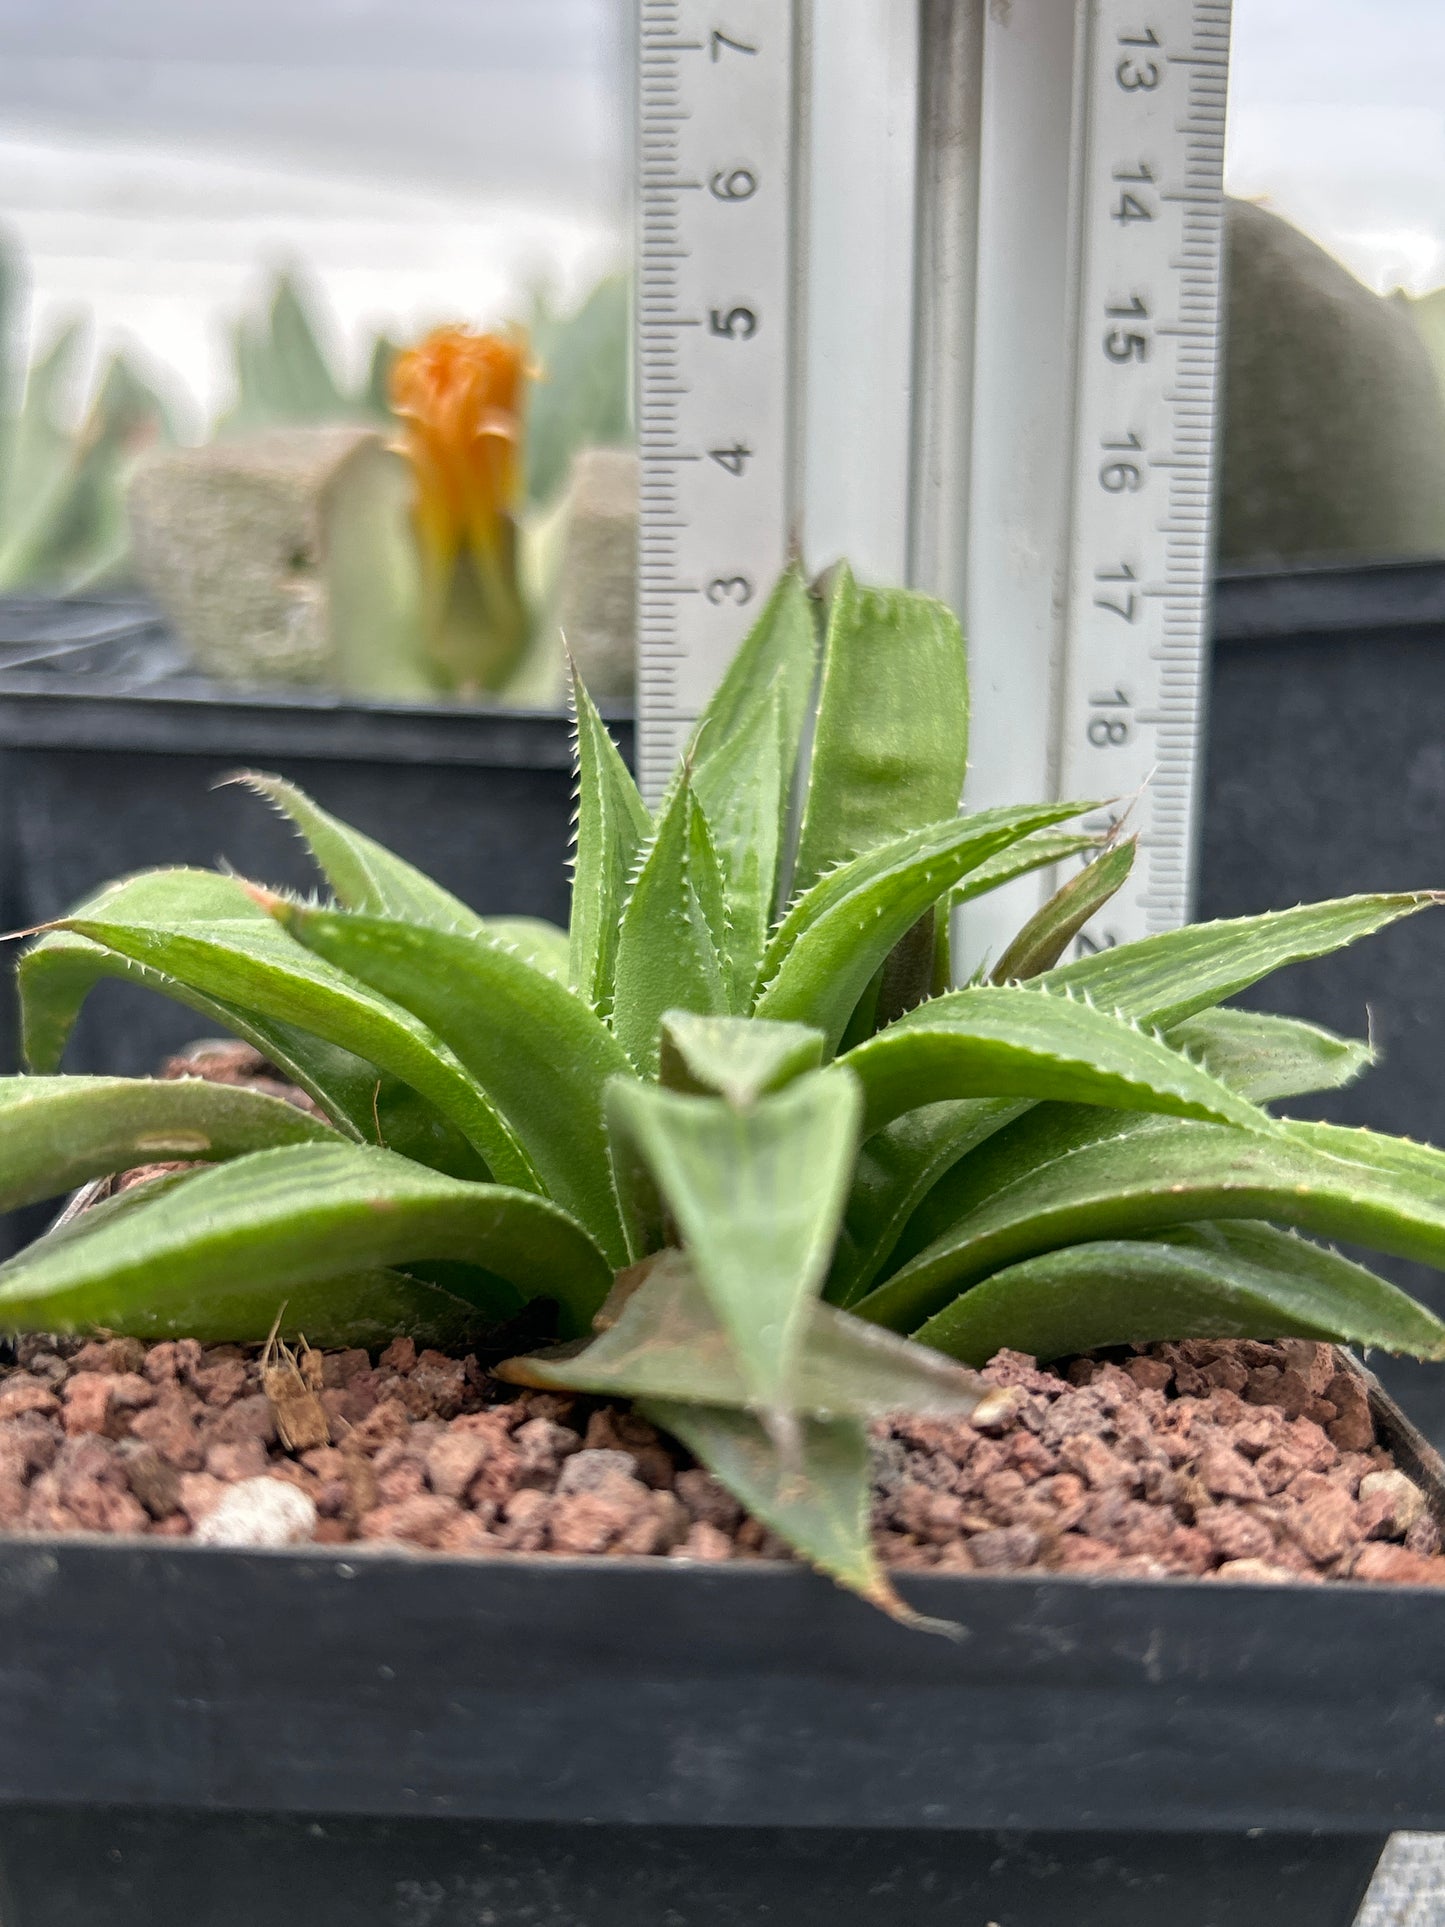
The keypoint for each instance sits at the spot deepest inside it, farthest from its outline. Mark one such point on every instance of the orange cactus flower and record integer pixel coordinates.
(460, 397)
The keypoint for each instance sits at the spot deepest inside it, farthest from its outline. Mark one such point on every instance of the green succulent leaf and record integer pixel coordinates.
(891, 739)
(1159, 981)
(260, 969)
(897, 1169)
(537, 1051)
(819, 1502)
(1264, 1058)
(739, 1058)
(58, 973)
(1420, 1165)
(743, 753)
(778, 656)
(826, 950)
(1162, 980)
(668, 1342)
(1007, 1041)
(215, 1256)
(669, 947)
(57, 1132)
(364, 1307)
(612, 827)
(1053, 927)
(743, 790)
(1210, 1281)
(363, 874)
(757, 1194)
(705, 876)
(1040, 852)
(535, 941)
(361, 1101)
(1068, 1177)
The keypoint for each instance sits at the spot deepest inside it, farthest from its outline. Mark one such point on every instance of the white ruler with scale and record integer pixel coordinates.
(935, 284)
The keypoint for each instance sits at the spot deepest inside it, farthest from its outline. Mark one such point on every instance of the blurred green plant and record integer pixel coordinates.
(63, 469)
(439, 580)
(408, 621)
(582, 395)
(285, 376)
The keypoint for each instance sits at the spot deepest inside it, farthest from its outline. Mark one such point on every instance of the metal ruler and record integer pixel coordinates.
(935, 284)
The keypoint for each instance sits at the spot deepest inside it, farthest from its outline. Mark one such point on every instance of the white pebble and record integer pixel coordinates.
(586, 1471)
(1405, 1499)
(259, 1512)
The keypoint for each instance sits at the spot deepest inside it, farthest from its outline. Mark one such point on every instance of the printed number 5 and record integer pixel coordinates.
(738, 323)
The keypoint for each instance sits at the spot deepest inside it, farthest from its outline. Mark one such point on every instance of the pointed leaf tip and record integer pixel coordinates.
(757, 1195)
(820, 1506)
(737, 1058)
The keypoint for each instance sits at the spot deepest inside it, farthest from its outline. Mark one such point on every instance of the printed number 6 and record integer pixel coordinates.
(734, 184)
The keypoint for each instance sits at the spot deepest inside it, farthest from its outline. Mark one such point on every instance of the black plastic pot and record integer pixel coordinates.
(367, 1739)
(194, 1735)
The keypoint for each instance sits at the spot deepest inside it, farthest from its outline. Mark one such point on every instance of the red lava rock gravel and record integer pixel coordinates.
(1228, 1460)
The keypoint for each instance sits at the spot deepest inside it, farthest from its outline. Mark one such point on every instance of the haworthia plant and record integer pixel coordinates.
(777, 1178)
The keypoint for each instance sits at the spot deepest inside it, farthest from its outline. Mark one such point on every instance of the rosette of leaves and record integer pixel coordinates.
(774, 1178)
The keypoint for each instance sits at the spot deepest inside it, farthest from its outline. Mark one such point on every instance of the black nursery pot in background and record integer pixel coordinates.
(1325, 774)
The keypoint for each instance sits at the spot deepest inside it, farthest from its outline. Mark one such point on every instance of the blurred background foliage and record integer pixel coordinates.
(64, 456)
(1333, 402)
(580, 398)
(283, 375)
(1333, 405)
(68, 461)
